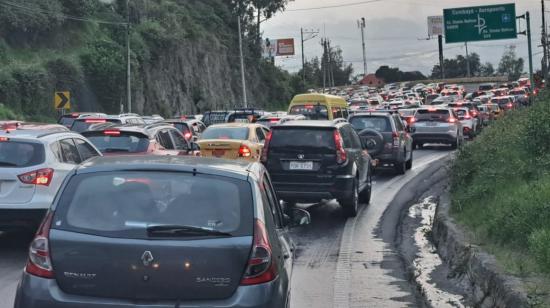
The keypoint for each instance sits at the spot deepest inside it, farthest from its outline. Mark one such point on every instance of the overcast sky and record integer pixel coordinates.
(395, 29)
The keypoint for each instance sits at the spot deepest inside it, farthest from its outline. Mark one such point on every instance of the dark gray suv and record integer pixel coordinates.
(162, 232)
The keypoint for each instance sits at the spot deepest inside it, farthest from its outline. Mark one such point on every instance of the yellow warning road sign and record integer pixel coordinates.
(62, 100)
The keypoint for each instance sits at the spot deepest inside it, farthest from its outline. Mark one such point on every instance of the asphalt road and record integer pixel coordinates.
(341, 262)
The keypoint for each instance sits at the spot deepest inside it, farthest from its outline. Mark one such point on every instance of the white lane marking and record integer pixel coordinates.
(344, 265)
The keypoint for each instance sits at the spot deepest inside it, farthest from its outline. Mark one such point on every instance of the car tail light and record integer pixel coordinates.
(38, 177)
(341, 155)
(474, 113)
(261, 267)
(395, 136)
(244, 151)
(274, 120)
(112, 132)
(467, 117)
(4, 139)
(39, 262)
(188, 136)
(509, 105)
(452, 120)
(265, 151)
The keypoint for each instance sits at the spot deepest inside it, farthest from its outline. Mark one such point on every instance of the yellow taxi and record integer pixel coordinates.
(317, 106)
(233, 141)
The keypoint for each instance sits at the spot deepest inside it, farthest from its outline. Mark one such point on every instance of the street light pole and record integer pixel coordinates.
(362, 24)
(243, 79)
(544, 43)
(128, 60)
(527, 18)
(468, 71)
(313, 34)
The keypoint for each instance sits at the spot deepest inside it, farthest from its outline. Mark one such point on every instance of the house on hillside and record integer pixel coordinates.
(372, 81)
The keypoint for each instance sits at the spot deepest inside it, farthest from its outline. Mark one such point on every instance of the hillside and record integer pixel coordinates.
(184, 57)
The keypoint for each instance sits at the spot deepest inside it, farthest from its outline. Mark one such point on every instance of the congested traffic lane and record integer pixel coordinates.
(315, 281)
(347, 262)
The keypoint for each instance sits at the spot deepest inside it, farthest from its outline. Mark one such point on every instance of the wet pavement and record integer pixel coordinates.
(340, 262)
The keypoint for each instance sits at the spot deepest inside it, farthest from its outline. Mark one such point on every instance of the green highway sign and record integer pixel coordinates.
(480, 23)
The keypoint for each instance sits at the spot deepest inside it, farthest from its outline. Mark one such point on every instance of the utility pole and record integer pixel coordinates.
(544, 43)
(527, 18)
(330, 65)
(128, 60)
(243, 80)
(313, 34)
(468, 72)
(324, 63)
(362, 25)
(441, 61)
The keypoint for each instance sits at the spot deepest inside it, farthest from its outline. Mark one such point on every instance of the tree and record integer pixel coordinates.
(487, 70)
(457, 68)
(510, 64)
(340, 71)
(394, 74)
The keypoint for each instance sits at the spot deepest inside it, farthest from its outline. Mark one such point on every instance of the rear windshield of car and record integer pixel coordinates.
(407, 113)
(125, 204)
(80, 126)
(123, 143)
(18, 154)
(183, 128)
(231, 133)
(500, 101)
(303, 138)
(311, 112)
(517, 92)
(485, 87)
(378, 123)
(67, 121)
(461, 113)
(438, 115)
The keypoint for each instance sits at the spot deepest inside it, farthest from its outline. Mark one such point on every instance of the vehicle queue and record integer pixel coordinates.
(126, 212)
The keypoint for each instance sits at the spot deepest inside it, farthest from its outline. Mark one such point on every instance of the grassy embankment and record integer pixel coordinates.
(501, 193)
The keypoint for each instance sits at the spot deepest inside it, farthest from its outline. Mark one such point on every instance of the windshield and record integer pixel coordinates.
(19, 154)
(311, 112)
(378, 123)
(126, 204)
(67, 121)
(232, 133)
(438, 115)
(81, 126)
(305, 138)
(125, 142)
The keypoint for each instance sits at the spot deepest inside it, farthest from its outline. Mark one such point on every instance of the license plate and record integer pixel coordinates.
(218, 153)
(301, 165)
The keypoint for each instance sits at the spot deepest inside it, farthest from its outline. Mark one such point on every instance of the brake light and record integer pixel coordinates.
(39, 262)
(112, 132)
(39, 177)
(411, 120)
(75, 115)
(451, 120)
(274, 120)
(261, 267)
(467, 117)
(474, 113)
(188, 136)
(4, 139)
(341, 155)
(509, 105)
(395, 136)
(244, 151)
(265, 150)
(432, 110)
(95, 121)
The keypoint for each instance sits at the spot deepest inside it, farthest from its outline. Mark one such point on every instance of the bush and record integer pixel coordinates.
(539, 243)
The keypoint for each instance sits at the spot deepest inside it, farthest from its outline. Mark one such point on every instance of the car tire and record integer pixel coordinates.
(365, 195)
(409, 164)
(350, 205)
(419, 145)
(401, 167)
(455, 144)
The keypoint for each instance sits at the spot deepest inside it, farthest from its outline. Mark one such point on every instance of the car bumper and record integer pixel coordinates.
(434, 138)
(339, 188)
(20, 218)
(36, 292)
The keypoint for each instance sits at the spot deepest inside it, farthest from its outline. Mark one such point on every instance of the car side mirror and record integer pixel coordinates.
(297, 217)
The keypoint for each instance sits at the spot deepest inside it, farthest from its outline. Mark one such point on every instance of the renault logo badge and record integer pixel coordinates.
(147, 258)
(301, 156)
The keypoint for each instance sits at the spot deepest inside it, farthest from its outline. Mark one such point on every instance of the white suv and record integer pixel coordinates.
(34, 161)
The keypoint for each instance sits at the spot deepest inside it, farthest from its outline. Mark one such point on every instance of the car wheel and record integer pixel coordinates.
(365, 195)
(410, 162)
(420, 145)
(455, 144)
(350, 205)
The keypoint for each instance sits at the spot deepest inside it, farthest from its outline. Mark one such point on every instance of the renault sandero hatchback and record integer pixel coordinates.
(149, 231)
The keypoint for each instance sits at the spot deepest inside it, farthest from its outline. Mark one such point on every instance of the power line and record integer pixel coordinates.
(333, 6)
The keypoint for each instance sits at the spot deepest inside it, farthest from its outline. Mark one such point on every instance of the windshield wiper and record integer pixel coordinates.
(177, 230)
(2, 163)
(110, 150)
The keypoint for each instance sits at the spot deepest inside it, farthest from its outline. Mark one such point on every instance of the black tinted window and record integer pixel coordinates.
(378, 123)
(440, 115)
(125, 204)
(80, 126)
(125, 142)
(86, 151)
(260, 134)
(345, 131)
(69, 152)
(21, 154)
(179, 141)
(285, 138)
(164, 139)
(312, 112)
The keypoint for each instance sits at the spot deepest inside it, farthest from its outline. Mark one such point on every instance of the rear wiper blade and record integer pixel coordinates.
(177, 230)
(109, 150)
(2, 163)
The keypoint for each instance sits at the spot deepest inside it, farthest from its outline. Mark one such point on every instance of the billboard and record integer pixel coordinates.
(480, 23)
(285, 47)
(435, 25)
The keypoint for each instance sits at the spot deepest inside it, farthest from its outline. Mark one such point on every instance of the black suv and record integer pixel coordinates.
(314, 160)
(387, 138)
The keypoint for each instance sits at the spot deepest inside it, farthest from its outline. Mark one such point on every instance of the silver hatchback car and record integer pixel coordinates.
(437, 125)
(161, 232)
(34, 161)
